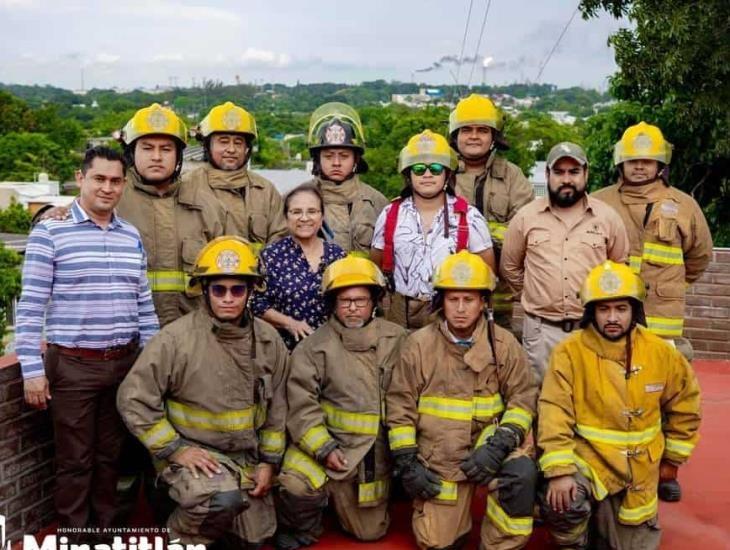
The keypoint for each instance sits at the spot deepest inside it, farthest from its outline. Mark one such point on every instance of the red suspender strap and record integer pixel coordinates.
(391, 222)
(462, 236)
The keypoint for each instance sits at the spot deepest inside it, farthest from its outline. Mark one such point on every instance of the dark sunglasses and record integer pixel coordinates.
(435, 168)
(219, 291)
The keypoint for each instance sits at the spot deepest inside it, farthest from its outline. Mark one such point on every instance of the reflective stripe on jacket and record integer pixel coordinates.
(593, 420)
(196, 383)
(336, 392)
(445, 399)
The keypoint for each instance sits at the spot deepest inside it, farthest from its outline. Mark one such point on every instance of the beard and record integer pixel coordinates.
(612, 337)
(563, 200)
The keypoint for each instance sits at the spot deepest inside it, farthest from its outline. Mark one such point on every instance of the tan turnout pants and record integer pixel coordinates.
(364, 523)
(212, 508)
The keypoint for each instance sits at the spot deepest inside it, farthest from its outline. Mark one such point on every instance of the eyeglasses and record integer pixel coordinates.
(220, 291)
(311, 213)
(346, 303)
(435, 168)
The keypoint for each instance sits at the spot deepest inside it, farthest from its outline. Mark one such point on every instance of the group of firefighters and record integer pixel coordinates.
(582, 427)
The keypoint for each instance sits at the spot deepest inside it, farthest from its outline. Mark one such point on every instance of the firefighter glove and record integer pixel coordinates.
(484, 462)
(418, 481)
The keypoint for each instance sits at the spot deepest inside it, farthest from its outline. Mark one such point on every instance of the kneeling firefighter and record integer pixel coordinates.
(460, 409)
(618, 413)
(207, 398)
(336, 392)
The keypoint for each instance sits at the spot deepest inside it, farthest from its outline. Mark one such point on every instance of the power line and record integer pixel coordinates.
(555, 46)
(479, 42)
(463, 42)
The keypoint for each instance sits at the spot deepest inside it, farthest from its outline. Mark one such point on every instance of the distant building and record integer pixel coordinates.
(425, 96)
(538, 180)
(34, 195)
(562, 117)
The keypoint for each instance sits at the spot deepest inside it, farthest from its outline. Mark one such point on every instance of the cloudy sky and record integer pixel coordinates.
(157, 42)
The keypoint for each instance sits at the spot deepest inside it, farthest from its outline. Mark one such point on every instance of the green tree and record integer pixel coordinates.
(15, 219)
(9, 287)
(673, 66)
(24, 155)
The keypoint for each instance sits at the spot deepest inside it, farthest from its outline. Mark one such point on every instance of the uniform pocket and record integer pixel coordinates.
(594, 241)
(670, 290)
(655, 449)
(537, 237)
(190, 248)
(498, 206)
(667, 229)
(258, 227)
(264, 394)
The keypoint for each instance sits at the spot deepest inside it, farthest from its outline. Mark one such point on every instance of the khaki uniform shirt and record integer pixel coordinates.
(174, 228)
(548, 261)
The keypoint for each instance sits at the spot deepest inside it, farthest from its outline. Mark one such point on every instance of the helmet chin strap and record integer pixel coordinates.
(640, 182)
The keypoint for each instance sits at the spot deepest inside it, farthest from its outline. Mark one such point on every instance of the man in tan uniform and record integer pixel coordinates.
(228, 132)
(175, 221)
(336, 395)
(207, 399)
(460, 408)
(619, 411)
(351, 206)
(551, 245)
(497, 187)
(671, 244)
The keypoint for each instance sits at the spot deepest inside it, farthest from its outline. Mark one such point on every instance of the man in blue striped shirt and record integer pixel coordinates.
(85, 280)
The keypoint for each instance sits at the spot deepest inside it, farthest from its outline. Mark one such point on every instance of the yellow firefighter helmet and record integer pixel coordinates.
(612, 281)
(154, 120)
(642, 141)
(427, 147)
(475, 110)
(464, 271)
(227, 118)
(352, 270)
(226, 256)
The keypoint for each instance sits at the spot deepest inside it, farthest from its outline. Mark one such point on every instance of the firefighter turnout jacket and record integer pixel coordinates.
(614, 430)
(253, 203)
(351, 209)
(671, 246)
(204, 383)
(174, 228)
(446, 400)
(336, 394)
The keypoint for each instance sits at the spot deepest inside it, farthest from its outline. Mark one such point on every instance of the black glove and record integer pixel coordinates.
(484, 463)
(418, 481)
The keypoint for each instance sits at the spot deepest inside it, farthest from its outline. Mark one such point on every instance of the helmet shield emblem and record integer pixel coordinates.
(609, 282)
(157, 119)
(227, 261)
(642, 142)
(231, 120)
(462, 274)
(335, 135)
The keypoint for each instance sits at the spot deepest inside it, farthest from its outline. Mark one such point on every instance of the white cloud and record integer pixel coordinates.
(169, 9)
(168, 58)
(254, 56)
(106, 58)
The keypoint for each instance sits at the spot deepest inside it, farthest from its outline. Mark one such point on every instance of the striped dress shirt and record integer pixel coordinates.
(88, 284)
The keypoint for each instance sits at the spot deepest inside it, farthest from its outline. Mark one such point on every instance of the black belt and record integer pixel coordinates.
(568, 325)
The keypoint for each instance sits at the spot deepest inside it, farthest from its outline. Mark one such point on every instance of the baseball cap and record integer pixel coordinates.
(567, 149)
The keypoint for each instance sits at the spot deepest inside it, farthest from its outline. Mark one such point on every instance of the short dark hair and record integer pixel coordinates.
(303, 188)
(100, 151)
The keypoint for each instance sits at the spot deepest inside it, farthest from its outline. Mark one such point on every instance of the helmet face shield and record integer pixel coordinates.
(335, 125)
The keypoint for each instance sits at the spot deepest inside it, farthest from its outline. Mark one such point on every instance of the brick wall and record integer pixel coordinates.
(707, 322)
(26, 458)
